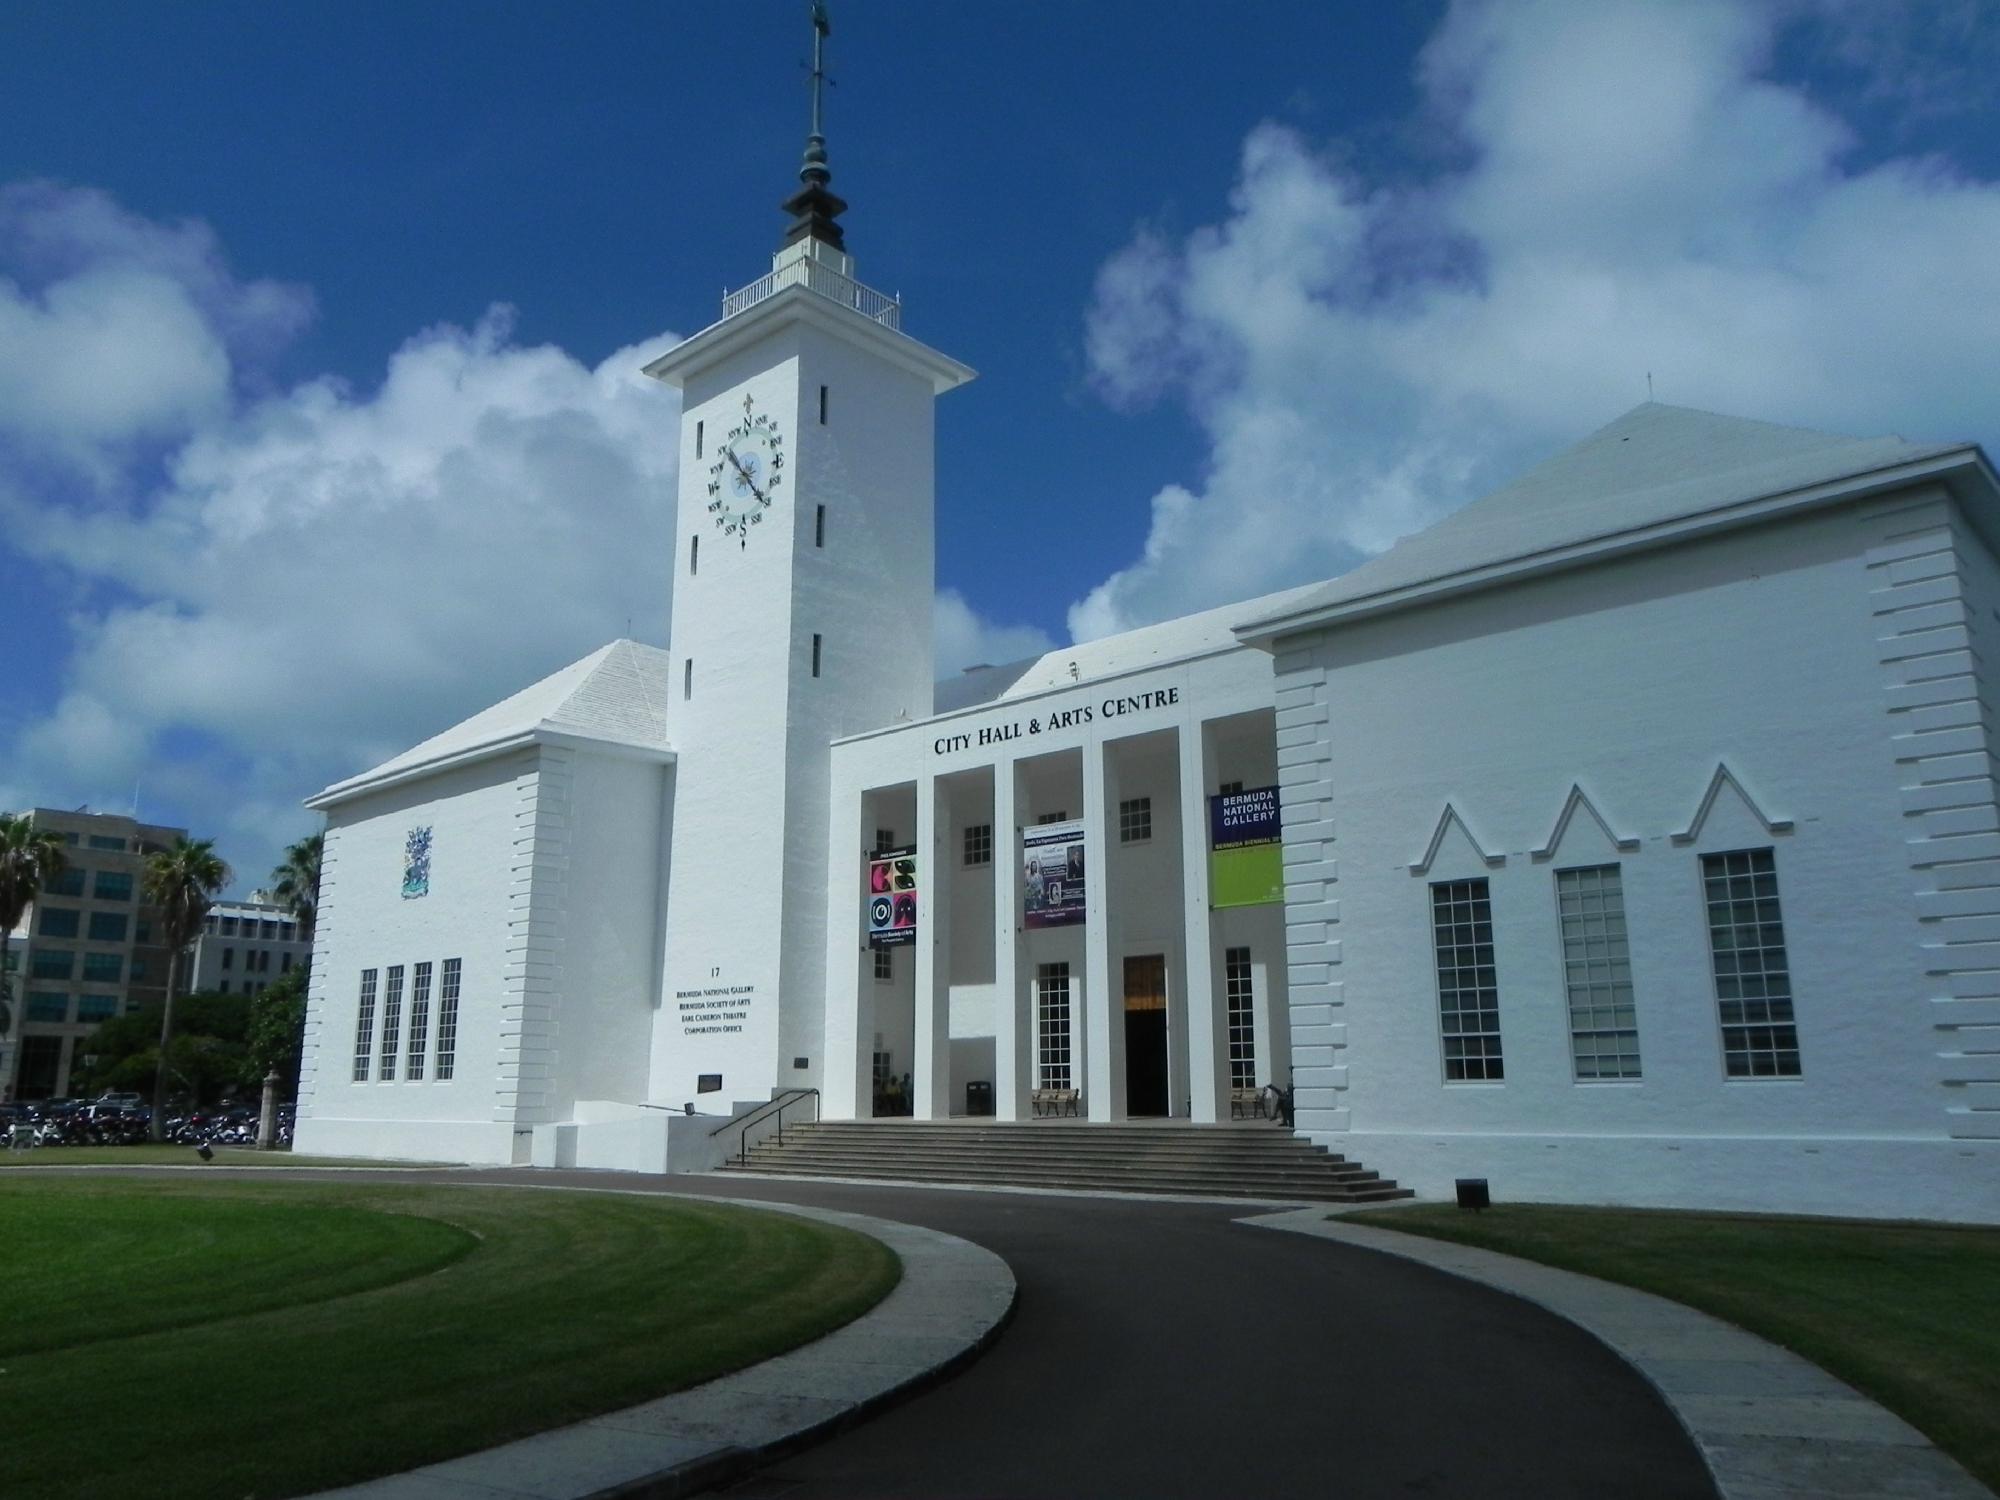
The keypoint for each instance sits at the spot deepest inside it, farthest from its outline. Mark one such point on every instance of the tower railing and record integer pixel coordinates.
(824, 282)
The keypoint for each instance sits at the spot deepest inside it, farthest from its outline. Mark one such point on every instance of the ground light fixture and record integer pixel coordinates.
(1472, 1193)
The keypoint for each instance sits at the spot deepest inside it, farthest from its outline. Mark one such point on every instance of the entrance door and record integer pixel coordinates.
(1146, 1035)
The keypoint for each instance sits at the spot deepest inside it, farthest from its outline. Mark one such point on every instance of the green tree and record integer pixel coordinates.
(277, 1032)
(210, 1055)
(182, 883)
(30, 858)
(295, 883)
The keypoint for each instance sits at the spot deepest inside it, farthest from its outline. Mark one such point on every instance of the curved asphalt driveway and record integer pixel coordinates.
(1159, 1349)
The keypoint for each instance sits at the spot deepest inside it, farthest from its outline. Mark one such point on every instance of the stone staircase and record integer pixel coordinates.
(1249, 1160)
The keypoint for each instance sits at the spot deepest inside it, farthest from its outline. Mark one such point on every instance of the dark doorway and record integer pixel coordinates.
(1146, 1035)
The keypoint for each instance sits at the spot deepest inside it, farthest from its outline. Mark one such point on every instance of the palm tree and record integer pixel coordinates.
(30, 858)
(182, 882)
(295, 883)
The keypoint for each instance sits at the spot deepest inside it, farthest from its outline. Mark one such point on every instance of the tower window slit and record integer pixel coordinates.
(822, 406)
(819, 526)
(815, 655)
(694, 554)
(697, 440)
(687, 679)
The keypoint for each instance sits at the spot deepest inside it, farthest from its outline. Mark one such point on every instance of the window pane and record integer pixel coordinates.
(1753, 984)
(1597, 971)
(1468, 984)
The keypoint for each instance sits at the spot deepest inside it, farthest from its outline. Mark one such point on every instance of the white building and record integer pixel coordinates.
(1638, 836)
(244, 947)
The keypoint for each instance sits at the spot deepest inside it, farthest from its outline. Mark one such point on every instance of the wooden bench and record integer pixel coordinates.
(1247, 1104)
(1056, 1101)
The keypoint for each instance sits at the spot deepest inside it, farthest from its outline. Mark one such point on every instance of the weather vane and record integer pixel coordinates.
(815, 168)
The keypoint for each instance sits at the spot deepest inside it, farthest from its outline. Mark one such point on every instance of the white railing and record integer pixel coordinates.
(886, 310)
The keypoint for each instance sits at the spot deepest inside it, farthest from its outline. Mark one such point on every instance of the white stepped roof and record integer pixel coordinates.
(1183, 639)
(615, 696)
(1653, 467)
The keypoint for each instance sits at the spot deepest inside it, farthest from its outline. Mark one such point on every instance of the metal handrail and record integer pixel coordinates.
(744, 1122)
(877, 306)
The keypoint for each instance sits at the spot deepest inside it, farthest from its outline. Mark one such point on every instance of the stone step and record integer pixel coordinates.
(1217, 1161)
(1316, 1191)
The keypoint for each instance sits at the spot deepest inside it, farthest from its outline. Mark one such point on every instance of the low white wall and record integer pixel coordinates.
(1849, 1178)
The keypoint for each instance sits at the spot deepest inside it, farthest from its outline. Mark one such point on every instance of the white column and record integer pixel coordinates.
(850, 1021)
(1104, 1015)
(931, 1080)
(1013, 1056)
(1208, 1053)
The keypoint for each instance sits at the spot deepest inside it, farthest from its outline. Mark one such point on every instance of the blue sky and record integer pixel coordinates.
(319, 422)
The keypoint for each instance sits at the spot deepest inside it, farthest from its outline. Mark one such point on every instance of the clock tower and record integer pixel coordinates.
(804, 568)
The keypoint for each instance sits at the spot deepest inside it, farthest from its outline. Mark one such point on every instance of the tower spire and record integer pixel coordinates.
(814, 208)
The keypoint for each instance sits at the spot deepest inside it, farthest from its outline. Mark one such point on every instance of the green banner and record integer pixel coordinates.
(1251, 876)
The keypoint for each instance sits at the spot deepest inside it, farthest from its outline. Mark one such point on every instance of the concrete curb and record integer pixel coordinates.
(1769, 1425)
(952, 1302)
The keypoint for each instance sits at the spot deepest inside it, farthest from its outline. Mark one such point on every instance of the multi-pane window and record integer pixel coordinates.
(105, 968)
(105, 841)
(885, 964)
(1230, 788)
(138, 968)
(1468, 989)
(1753, 981)
(420, 1022)
(1052, 1054)
(392, 1021)
(96, 1007)
(1058, 816)
(229, 926)
(228, 958)
(52, 963)
(108, 926)
(1238, 989)
(112, 885)
(59, 921)
(48, 1007)
(1597, 973)
(364, 1027)
(979, 844)
(447, 1044)
(1135, 820)
(69, 883)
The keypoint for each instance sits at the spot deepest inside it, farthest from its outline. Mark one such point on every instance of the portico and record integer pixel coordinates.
(1069, 935)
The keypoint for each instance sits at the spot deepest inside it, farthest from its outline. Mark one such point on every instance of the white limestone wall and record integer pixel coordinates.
(1450, 739)
(603, 894)
(746, 943)
(479, 867)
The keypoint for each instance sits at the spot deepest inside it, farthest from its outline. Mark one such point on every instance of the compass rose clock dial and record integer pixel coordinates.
(747, 474)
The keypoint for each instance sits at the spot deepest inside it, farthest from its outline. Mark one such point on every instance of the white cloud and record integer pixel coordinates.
(114, 328)
(323, 576)
(1638, 197)
(966, 639)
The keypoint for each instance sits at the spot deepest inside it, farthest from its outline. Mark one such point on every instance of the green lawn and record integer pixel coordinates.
(181, 1156)
(171, 1337)
(1908, 1313)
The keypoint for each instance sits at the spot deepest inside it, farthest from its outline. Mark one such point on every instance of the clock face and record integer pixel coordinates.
(748, 470)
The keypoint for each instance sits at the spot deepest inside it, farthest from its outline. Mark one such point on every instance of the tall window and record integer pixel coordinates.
(694, 554)
(447, 1048)
(1597, 973)
(420, 1022)
(885, 965)
(364, 1026)
(1052, 1026)
(979, 844)
(687, 679)
(392, 1022)
(822, 406)
(816, 640)
(1135, 820)
(697, 439)
(1753, 980)
(885, 839)
(1242, 998)
(819, 526)
(1468, 989)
